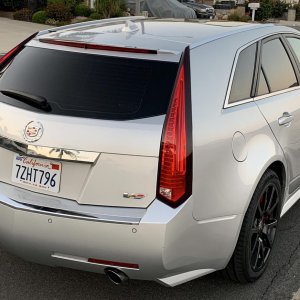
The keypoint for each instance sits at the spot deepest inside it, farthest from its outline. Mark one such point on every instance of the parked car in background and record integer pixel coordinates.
(163, 9)
(120, 154)
(225, 4)
(201, 10)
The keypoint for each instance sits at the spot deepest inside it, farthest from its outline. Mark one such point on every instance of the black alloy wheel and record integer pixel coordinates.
(264, 227)
(257, 235)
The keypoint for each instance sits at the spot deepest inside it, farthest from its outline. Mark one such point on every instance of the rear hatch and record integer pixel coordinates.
(101, 135)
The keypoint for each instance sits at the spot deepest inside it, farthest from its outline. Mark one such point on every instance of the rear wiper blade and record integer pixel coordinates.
(33, 100)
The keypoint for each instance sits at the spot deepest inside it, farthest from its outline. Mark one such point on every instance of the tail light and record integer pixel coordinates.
(4, 60)
(97, 47)
(175, 166)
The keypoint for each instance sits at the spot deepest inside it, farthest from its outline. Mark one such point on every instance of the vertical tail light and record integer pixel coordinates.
(175, 166)
(4, 60)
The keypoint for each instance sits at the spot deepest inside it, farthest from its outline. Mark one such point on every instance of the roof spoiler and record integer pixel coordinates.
(96, 22)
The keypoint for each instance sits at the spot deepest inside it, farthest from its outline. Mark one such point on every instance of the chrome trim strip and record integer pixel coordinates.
(277, 93)
(238, 103)
(61, 154)
(226, 102)
(59, 207)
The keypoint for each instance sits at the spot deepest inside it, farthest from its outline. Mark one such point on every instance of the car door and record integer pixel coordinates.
(278, 98)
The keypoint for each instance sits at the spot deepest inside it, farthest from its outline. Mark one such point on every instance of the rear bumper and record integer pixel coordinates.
(168, 244)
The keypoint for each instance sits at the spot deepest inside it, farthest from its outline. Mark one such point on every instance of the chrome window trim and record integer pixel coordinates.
(261, 97)
(240, 102)
(243, 101)
(257, 98)
(52, 153)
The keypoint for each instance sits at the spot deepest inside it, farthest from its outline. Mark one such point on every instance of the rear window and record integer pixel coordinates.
(91, 86)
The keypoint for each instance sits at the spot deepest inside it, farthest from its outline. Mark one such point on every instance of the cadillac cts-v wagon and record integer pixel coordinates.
(150, 149)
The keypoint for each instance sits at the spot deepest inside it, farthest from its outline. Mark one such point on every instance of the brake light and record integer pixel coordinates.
(4, 60)
(175, 167)
(97, 47)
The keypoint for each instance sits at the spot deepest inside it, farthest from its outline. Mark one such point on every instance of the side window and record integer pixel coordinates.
(295, 43)
(262, 85)
(243, 76)
(277, 68)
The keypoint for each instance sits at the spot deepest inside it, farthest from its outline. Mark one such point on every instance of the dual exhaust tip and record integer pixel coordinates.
(116, 276)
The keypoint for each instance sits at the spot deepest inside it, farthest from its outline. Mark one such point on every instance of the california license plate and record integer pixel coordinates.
(39, 173)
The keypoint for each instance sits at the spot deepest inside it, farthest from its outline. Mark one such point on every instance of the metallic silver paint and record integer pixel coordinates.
(170, 245)
(273, 108)
(154, 246)
(224, 186)
(21, 199)
(239, 147)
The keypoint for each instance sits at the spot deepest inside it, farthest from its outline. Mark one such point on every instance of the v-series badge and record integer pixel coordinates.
(134, 196)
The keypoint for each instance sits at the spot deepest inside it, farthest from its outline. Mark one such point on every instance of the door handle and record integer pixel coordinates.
(285, 120)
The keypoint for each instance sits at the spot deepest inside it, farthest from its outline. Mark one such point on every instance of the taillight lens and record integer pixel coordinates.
(175, 168)
(97, 47)
(4, 60)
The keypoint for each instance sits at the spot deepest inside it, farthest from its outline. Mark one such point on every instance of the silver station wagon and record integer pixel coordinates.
(150, 149)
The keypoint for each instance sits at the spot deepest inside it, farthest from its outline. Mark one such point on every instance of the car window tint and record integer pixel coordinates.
(262, 86)
(295, 43)
(275, 63)
(243, 76)
(91, 86)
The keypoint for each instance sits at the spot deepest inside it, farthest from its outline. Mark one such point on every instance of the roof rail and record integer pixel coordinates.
(96, 22)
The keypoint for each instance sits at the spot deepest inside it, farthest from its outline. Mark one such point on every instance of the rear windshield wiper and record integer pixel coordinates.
(33, 100)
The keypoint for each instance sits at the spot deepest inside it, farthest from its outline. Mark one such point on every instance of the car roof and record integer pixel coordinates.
(164, 34)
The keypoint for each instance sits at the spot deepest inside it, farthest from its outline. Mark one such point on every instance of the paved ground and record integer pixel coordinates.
(23, 280)
(12, 32)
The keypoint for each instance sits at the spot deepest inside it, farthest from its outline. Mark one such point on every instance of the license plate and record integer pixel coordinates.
(39, 173)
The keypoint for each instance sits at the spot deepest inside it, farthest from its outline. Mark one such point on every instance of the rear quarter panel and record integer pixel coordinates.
(223, 186)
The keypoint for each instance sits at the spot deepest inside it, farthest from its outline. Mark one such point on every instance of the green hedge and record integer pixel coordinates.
(110, 8)
(95, 16)
(40, 17)
(271, 9)
(82, 10)
(23, 14)
(59, 12)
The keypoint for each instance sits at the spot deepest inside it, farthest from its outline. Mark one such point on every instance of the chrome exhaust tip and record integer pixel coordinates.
(116, 276)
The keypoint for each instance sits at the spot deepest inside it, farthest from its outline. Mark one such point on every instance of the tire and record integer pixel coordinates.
(256, 239)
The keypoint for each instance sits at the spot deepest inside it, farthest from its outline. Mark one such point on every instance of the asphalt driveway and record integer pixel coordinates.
(12, 32)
